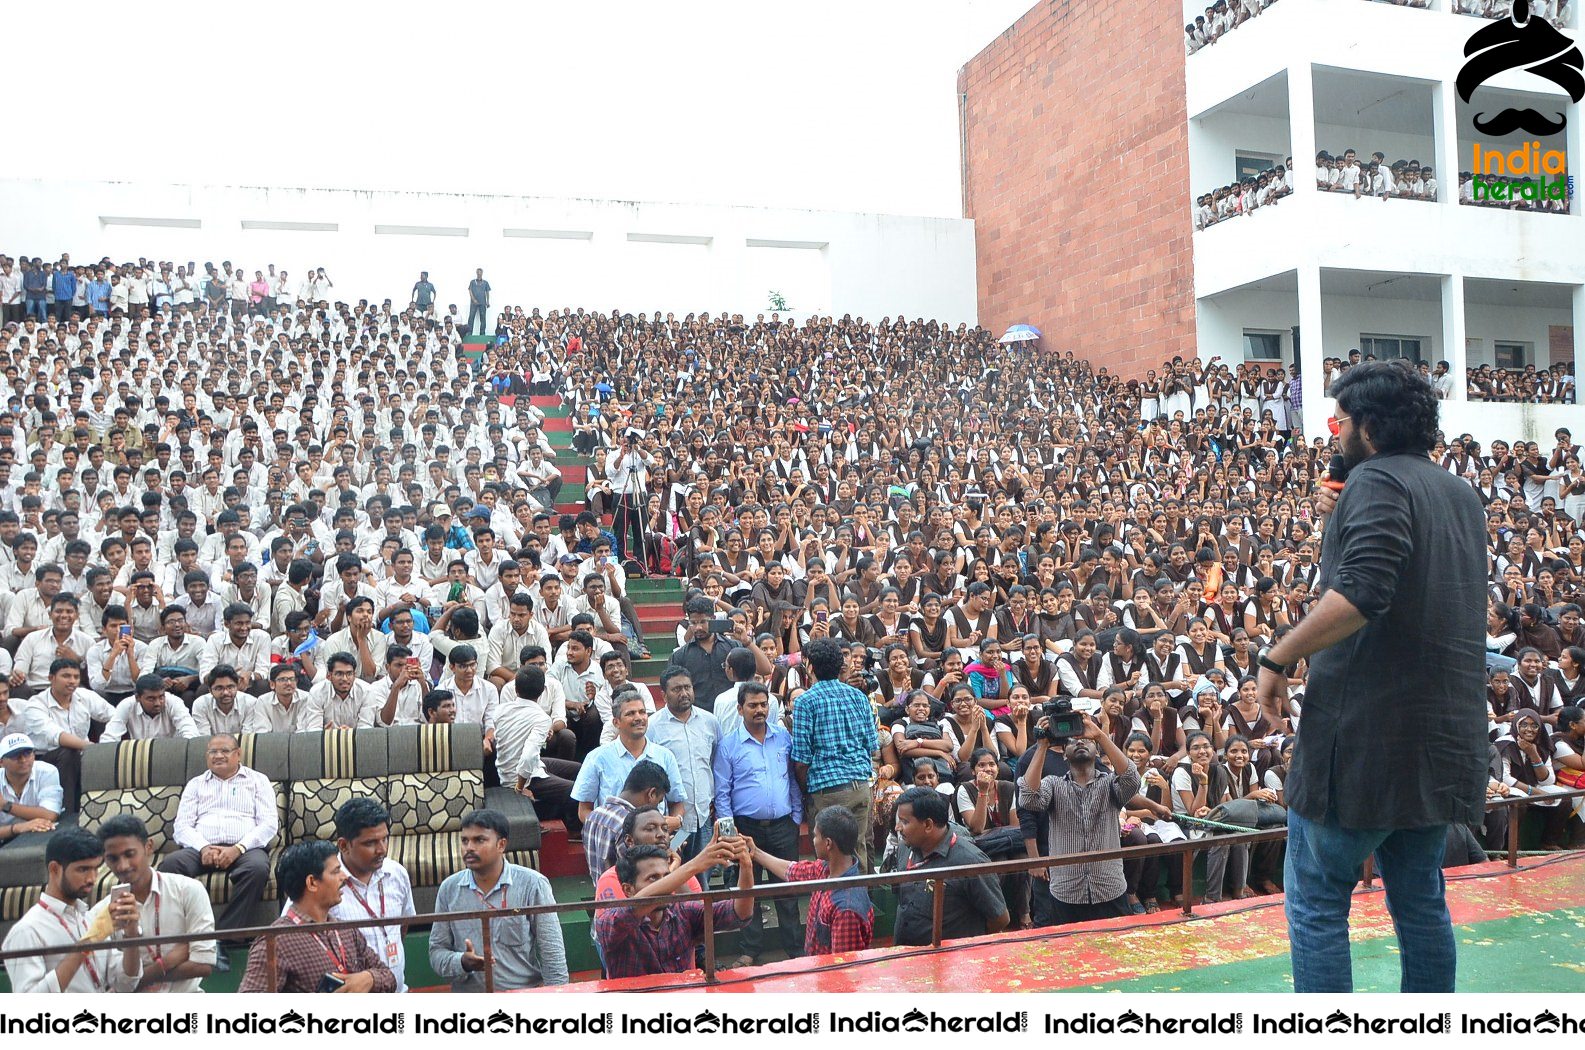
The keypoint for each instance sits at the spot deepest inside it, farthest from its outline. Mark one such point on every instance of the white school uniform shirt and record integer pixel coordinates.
(132, 723)
(210, 720)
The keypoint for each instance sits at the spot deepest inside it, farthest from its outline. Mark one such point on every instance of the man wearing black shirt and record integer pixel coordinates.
(1392, 748)
(973, 907)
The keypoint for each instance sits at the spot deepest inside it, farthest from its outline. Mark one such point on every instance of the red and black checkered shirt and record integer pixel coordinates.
(840, 921)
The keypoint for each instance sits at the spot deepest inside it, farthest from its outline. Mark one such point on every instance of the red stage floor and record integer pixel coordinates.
(1517, 929)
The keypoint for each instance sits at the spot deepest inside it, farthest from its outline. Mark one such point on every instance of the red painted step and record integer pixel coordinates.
(574, 473)
(648, 610)
(558, 856)
(554, 425)
(570, 508)
(545, 400)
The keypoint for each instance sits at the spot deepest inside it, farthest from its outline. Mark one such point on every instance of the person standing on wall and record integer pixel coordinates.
(478, 302)
(1384, 763)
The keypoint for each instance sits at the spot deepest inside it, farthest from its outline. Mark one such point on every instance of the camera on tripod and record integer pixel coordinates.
(1062, 721)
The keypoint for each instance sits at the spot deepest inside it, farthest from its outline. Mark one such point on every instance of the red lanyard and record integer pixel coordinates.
(154, 951)
(952, 840)
(486, 904)
(359, 898)
(332, 953)
(88, 957)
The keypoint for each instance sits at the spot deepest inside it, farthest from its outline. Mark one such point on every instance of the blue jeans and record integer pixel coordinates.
(1323, 864)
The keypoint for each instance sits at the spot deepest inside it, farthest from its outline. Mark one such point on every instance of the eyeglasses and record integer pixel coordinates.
(1333, 424)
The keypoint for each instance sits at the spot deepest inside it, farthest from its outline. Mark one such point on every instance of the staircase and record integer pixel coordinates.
(658, 601)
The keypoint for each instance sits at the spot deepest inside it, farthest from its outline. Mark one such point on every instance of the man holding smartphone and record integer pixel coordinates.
(703, 655)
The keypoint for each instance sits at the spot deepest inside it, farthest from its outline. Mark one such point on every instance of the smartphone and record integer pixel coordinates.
(330, 982)
(721, 625)
(821, 615)
(126, 630)
(726, 828)
(117, 890)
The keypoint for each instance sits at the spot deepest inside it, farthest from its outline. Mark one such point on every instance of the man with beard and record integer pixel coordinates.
(1082, 808)
(1384, 763)
(377, 885)
(60, 920)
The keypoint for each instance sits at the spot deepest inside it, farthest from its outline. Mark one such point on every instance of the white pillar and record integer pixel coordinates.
(1574, 137)
(1301, 126)
(1444, 124)
(1454, 342)
(1312, 351)
(1579, 340)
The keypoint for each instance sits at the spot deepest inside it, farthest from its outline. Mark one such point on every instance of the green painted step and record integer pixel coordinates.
(661, 646)
(650, 668)
(572, 493)
(557, 412)
(668, 587)
(559, 439)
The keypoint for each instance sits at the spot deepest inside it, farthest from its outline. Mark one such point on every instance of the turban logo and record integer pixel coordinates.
(1521, 42)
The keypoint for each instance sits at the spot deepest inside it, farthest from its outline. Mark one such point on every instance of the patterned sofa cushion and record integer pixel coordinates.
(155, 806)
(427, 858)
(313, 803)
(433, 803)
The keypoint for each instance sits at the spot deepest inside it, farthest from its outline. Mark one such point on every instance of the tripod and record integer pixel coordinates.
(630, 505)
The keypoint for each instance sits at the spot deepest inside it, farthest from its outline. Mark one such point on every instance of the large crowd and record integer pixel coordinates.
(254, 508)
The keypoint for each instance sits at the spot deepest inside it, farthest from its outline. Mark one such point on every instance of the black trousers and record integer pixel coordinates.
(779, 838)
(587, 730)
(553, 793)
(628, 524)
(247, 877)
(1065, 913)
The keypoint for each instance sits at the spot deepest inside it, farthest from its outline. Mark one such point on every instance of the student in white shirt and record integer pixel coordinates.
(60, 919)
(167, 904)
(150, 714)
(224, 708)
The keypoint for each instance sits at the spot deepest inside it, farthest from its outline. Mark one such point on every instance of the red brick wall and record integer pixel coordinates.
(1102, 266)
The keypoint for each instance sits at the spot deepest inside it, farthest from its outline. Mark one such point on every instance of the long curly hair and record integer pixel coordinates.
(1397, 408)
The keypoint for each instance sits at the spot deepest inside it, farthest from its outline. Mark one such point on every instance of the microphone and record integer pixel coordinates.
(1336, 474)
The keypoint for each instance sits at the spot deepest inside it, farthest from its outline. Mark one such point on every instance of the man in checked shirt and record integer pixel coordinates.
(840, 921)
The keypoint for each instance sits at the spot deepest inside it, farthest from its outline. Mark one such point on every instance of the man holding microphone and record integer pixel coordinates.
(1384, 761)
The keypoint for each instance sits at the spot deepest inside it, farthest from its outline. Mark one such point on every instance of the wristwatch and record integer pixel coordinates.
(1271, 665)
(7, 807)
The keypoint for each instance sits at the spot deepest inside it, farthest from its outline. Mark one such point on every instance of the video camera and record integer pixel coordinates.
(1062, 721)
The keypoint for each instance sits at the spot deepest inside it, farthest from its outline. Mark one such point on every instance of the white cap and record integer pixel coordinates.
(14, 742)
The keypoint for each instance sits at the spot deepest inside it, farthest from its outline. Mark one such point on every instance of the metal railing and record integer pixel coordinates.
(1186, 849)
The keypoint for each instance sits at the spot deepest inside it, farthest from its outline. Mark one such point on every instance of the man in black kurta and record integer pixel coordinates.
(1392, 746)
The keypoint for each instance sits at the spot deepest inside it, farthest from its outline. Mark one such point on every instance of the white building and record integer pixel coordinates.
(1329, 272)
(535, 251)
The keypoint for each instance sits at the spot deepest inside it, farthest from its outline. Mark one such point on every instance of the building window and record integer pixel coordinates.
(1511, 355)
(1387, 347)
(1262, 346)
(1250, 165)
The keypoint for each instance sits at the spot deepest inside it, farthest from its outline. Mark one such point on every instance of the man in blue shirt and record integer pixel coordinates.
(690, 734)
(834, 736)
(605, 769)
(98, 295)
(754, 785)
(65, 281)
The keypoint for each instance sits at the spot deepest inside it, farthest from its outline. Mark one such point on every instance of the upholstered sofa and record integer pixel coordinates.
(428, 776)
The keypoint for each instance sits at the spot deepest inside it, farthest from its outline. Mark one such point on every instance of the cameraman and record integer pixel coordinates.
(1084, 807)
(627, 468)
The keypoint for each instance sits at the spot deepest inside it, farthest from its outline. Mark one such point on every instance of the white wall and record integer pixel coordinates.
(867, 264)
(1218, 138)
(1517, 324)
(1222, 321)
(1345, 318)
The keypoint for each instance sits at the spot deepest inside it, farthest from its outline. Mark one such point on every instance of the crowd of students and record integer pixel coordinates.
(1218, 20)
(1554, 11)
(266, 511)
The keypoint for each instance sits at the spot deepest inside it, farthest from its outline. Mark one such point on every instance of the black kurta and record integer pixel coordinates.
(1393, 733)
